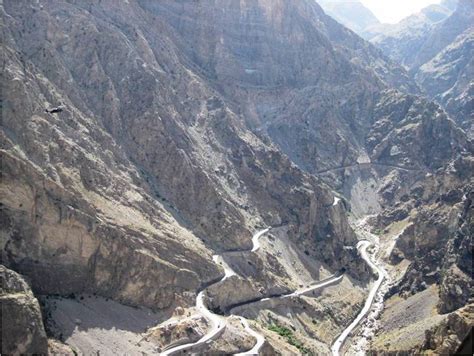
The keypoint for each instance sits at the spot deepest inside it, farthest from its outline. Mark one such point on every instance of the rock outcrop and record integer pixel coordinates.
(437, 49)
(437, 213)
(147, 168)
(447, 78)
(431, 257)
(22, 324)
(403, 40)
(451, 334)
(456, 288)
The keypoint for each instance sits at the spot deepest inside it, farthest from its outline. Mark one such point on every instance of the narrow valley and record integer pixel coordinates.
(252, 177)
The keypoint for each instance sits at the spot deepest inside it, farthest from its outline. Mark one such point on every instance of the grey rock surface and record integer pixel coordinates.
(22, 327)
(436, 46)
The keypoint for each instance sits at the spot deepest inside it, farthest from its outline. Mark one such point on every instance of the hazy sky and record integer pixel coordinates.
(392, 11)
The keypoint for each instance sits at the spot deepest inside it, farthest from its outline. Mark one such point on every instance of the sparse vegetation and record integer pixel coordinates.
(290, 337)
(377, 232)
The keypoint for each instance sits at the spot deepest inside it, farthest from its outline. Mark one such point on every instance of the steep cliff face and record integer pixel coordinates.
(75, 216)
(315, 105)
(255, 45)
(145, 170)
(438, 52)
(456, 279)
(403, 40)
(429, 256)
(436, 213)
(421, 37)
(448, 79)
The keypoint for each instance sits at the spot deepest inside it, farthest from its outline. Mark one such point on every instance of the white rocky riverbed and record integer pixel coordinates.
(363, 328)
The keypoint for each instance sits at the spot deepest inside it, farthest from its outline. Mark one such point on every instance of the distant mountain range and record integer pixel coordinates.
(351, 13)
(435, 45)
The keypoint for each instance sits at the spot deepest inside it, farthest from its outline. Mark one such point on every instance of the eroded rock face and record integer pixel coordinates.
(448, 78)
(65, 246)
(324, 118)
(22, 324)
(148, 167)
(186, 331)
(438, 52)
(451, 333)
(435, 255)
(436, 213)
(456, 283)
(260, 40)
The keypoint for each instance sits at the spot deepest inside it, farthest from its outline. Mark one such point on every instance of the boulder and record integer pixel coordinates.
(22, 324)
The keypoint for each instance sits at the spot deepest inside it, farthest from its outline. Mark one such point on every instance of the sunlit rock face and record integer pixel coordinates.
(448, 79)
(436, 46)
(148, 167)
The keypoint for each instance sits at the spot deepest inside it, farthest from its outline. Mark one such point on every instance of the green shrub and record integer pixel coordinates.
(377, 232)
(290, 337)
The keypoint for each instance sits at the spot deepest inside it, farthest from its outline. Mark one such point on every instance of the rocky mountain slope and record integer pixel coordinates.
(187, 174)
(182, 128)
(416, 40)
(402, 39)
(438, 52)
(447, 78)
(434, 45)
(429, 253)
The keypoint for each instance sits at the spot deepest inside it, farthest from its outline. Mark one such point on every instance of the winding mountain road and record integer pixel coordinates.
(219, 323)
(368, 164)
(362, 247)
(324, 283)
(327, 282)
(229, 272)
(256, 238)
(260, 338)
